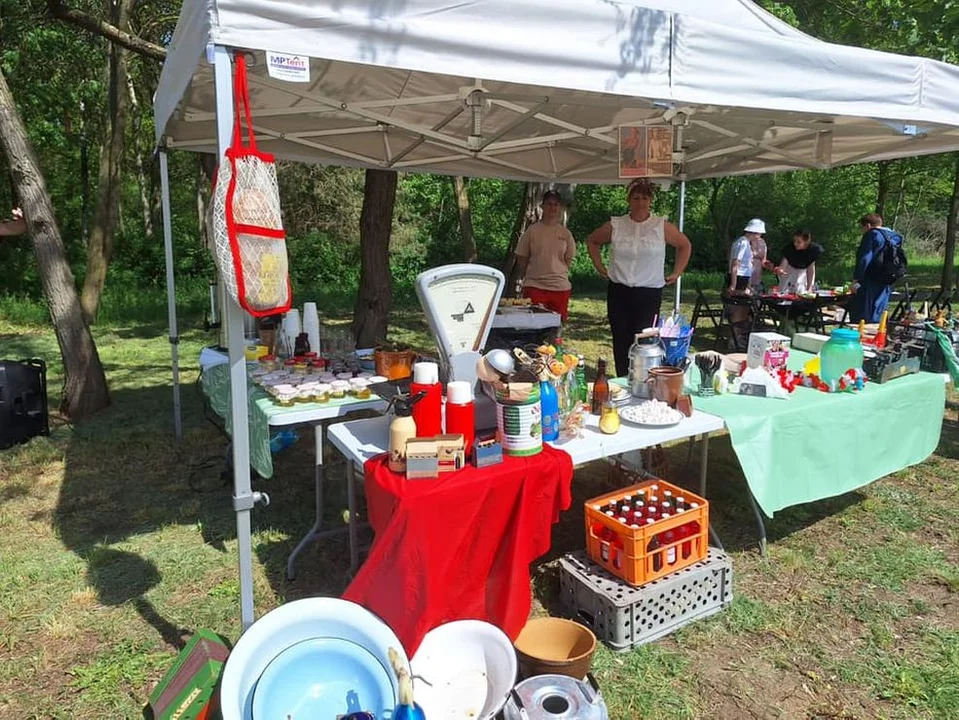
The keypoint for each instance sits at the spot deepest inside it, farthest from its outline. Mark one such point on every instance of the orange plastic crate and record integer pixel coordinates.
(625, 551)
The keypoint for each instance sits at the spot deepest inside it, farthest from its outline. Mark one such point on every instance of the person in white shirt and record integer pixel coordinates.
(741, 256)
(636, 271)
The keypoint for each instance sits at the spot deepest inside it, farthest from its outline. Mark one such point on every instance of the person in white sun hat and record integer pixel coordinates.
(741, 255)
(739, 280)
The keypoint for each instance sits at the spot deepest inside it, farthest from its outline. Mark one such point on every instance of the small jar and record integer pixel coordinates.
(327, 377)
(304, 395)
(347, 376)
(338, 390)
(289, 365)
(285, 399)
(268, 363)
(361, 389)
(609, 421)
(321, 393)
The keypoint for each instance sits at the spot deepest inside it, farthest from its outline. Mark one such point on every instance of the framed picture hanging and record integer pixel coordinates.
(645, 151)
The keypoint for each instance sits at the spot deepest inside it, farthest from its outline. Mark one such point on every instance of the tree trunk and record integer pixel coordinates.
(371, 317)
(882, 186)
(460, 185)
(100, 245)
(85, 386)
(952, 229)
(146, 206)
(528, 214)
(206, 167)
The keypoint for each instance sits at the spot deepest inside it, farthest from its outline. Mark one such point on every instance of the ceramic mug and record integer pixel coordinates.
(666, 384)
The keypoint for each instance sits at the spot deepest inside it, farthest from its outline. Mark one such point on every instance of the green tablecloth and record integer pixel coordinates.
(817, 445)
(260, 409)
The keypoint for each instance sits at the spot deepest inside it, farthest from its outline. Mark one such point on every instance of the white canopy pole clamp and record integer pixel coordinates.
(171, 293)
(243, 498)
(475, 102)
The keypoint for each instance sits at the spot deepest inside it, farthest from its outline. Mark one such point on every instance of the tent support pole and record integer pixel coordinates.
(682, 222)
(171, 293)
(243, 499)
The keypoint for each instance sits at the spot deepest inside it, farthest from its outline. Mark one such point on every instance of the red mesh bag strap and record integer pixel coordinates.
(241, 104)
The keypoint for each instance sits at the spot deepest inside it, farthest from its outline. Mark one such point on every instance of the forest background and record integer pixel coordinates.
(86, 105)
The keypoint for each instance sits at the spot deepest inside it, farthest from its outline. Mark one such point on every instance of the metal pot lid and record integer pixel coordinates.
(555, 697)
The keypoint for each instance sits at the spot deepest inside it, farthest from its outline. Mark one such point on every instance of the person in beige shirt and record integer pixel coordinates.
(16, 226)
(544, 255)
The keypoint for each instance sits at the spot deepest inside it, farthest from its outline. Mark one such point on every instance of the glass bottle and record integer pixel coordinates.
(600, 388)
(581, 385)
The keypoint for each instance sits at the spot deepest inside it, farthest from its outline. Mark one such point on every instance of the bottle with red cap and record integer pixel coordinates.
(428, 412)
(669, 537)
(460, 412)
(653, 548)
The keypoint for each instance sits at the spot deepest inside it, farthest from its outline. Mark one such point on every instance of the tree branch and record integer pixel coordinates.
(61, 11)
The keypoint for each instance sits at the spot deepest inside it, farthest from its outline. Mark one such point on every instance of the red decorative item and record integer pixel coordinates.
(459, 547)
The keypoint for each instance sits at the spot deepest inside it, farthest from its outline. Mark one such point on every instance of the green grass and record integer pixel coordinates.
(118, 543)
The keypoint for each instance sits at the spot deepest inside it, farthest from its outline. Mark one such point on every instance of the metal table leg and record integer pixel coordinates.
(703, 464)
(759, 521)
(351, 493)
(314, 533)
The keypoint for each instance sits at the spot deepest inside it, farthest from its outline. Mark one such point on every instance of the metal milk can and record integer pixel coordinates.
(645, 354)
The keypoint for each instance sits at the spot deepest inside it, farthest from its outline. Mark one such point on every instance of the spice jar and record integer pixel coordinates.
(321, 393)
(361, 389)
(609, 419)
(339, 388)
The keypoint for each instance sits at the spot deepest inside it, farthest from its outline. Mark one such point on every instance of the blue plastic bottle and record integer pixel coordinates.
(549, 402)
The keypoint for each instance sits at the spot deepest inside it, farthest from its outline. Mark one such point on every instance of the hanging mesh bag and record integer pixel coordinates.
(249, 244)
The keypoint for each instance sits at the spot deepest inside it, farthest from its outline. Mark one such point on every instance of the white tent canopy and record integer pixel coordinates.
(526, 89)
(531, 90)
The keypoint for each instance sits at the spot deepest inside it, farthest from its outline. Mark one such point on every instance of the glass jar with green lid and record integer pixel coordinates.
(842, 352)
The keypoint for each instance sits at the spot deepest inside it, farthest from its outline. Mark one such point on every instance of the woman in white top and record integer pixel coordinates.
(636, 269)
(797, 271)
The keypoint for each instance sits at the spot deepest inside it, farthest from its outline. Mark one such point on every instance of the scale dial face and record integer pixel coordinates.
(462, 307)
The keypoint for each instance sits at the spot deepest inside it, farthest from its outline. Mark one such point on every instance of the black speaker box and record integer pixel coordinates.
(23, 401)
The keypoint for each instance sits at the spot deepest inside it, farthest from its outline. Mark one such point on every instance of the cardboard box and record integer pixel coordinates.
(451, 451)
(809, 342)
(487, 451)
(768, 350)
(187, 690)
(422, 459)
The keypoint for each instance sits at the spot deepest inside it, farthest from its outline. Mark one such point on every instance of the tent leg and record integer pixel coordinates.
(682, 222)
(171, 293)
(243, 498)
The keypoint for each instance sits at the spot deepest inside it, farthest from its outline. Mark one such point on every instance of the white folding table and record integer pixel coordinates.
(361, 440)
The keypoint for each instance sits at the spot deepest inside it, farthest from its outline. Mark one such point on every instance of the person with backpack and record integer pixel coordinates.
(880, 264)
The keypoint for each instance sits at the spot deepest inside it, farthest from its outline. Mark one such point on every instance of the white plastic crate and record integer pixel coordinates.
(623, 616)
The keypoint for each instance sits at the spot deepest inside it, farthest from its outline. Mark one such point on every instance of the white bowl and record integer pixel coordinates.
(293, 623)
(470, 666)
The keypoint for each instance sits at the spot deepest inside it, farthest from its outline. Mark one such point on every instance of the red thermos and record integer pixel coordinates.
(428, 412)
(460, 415)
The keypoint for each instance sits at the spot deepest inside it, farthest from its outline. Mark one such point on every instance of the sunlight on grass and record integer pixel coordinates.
(117, 540)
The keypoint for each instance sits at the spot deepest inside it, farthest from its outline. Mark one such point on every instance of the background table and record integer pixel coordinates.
(265, 414)
(817, 445)
(459, 547)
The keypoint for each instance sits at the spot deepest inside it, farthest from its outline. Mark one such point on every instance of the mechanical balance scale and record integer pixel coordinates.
(460, 304)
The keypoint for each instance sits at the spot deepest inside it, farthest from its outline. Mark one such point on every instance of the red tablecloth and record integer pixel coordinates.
(459, 547)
